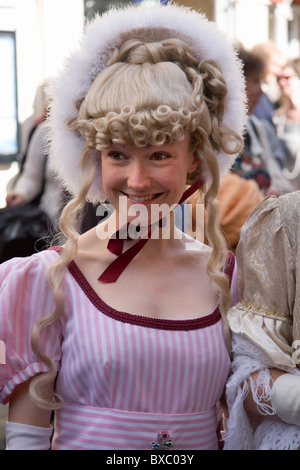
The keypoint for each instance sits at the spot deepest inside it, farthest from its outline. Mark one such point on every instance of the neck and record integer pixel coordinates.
(116, 242)
(163, 229)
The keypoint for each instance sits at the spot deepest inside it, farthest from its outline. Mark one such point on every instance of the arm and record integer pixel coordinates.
(28, 426)
(251, 405)
(284, 397)
(18, 314)
(30, 182)
(23, 410)
(14, 199)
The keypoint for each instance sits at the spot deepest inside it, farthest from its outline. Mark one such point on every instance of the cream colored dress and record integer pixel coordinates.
(265, 323)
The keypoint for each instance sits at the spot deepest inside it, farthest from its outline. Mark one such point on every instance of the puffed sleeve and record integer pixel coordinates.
(25, 297)
(268, 312)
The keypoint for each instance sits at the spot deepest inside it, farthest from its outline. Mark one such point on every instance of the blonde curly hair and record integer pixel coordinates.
(149, 93)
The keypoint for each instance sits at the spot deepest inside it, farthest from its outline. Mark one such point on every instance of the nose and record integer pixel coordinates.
(139, 177)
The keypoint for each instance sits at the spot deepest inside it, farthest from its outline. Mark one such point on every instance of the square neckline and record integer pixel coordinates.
(140, 320)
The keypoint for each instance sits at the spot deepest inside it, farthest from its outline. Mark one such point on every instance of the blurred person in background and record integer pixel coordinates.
(34, 199)
(287, 119)
(38, 115)
(273, 60)
(257, 171)
(36, 183)
(263, 156)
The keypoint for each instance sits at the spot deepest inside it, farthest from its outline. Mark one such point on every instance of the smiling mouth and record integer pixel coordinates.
(145, 198)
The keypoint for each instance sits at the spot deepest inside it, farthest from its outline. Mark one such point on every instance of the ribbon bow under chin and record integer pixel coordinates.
(115, 245)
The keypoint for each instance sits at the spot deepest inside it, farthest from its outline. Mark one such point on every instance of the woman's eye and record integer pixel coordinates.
(160, 156)
(116, 155)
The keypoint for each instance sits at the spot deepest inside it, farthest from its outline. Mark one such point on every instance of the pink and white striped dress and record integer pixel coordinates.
(129, 382)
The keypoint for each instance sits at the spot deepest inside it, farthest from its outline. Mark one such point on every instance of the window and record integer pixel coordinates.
(9, 128)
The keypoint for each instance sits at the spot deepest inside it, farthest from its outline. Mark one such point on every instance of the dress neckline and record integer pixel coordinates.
(140, 320)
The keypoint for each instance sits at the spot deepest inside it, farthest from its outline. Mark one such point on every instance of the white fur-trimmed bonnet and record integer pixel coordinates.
(85, 63)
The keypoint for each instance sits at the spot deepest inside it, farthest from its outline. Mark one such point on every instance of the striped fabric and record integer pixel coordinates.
(117, 429)
(125, 378)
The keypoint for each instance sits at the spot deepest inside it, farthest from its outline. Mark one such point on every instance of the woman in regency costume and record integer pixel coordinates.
(122, 330)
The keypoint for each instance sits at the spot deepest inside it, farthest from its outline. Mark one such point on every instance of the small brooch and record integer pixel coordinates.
(163, 441)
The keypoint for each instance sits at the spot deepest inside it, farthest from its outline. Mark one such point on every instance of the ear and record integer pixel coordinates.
(195, 162)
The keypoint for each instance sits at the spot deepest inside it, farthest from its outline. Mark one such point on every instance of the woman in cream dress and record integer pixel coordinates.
(265, 327)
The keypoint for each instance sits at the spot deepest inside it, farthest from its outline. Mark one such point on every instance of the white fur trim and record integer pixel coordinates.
(86, 62)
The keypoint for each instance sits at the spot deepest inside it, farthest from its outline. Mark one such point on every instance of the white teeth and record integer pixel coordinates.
(142, 198)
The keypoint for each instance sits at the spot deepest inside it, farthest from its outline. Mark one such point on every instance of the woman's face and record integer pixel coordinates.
(288, 81)
(253, 89)
(143, 177)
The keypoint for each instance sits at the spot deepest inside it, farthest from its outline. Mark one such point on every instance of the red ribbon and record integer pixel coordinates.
(115, 245)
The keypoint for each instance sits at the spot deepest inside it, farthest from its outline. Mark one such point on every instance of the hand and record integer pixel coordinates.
(285, 398)
(14, 199)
